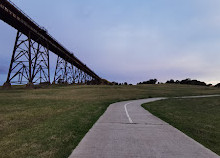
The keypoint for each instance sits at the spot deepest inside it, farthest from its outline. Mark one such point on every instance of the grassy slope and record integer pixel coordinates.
(51, 122)
(198, 118)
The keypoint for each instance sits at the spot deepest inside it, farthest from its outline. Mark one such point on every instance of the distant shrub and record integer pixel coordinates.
(170, 81)
(217, 85)
(151, 81)
(187, 81)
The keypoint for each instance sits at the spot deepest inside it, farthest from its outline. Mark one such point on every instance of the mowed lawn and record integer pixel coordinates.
(50, 122)
(199, 118)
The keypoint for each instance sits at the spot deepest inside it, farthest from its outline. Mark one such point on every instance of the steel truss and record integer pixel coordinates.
(67, 73)
(29, 62)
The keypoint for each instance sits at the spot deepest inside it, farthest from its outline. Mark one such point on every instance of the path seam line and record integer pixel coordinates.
(126, 111)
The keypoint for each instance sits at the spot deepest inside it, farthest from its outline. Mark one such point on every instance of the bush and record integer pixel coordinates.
(151, 81)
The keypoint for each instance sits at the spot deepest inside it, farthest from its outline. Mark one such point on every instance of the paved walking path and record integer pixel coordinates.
(126, 130)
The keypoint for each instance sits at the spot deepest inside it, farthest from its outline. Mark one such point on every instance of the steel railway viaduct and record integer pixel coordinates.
(30, 58)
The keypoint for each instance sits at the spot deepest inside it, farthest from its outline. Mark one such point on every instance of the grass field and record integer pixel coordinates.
(50, 122)
(198, 118)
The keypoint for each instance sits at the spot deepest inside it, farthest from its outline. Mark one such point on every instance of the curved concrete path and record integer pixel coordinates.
(126, 130)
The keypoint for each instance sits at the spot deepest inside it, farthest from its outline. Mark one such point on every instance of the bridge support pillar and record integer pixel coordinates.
(60, 71)
(67, 73)
(29, 62)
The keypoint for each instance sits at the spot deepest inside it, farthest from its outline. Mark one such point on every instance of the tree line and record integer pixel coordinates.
(186, 81)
